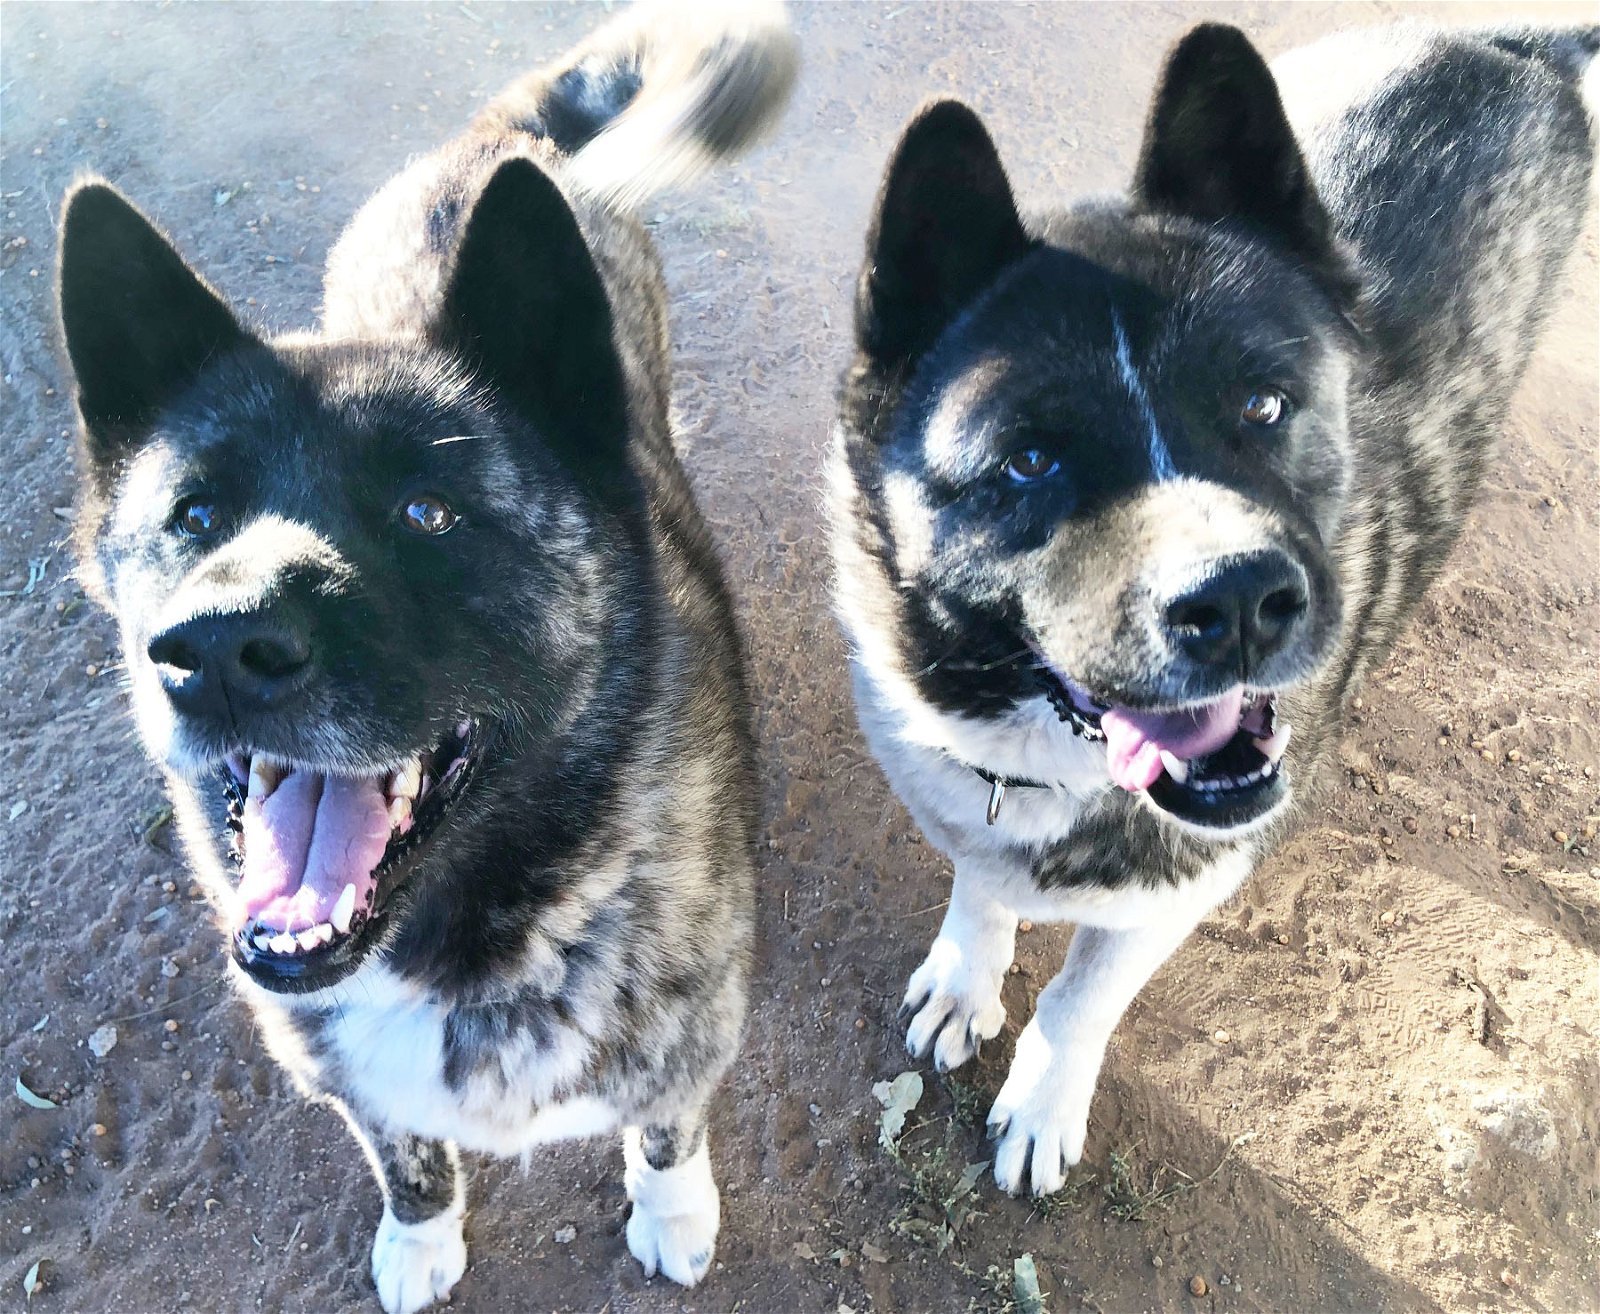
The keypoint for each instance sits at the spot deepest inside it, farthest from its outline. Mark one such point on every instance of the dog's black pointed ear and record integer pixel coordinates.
(1218, 147)
(525, 306)
(946, 225)
(139, 324)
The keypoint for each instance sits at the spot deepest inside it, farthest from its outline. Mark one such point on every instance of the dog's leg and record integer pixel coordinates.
(953, 999)
(419, 1253)
(676, 1207)
(1041, 1115)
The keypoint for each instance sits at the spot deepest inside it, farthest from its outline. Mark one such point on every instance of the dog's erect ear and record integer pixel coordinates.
(1218, 147)
(139, 324)
(945, 227)
(524, 305)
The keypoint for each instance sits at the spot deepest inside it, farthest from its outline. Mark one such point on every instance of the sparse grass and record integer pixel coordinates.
(1133, 1192)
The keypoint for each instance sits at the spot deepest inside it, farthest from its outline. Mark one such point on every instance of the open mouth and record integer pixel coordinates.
(320, 854)
(1217, 764)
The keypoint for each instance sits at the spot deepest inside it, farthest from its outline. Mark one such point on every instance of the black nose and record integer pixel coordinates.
(1244, 612)
(231, 662)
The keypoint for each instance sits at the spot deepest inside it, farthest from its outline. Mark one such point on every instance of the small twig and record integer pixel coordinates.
(171, 1003)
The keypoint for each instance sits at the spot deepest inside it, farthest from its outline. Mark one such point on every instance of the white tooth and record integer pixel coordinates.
(323, 932)
(1272, 749)
(264, 777)
(282, 943)
(1176, 767)
(263, 941)
(399, 812)
(308, 938)
(464, 729)
(406, 781)
(344, 910)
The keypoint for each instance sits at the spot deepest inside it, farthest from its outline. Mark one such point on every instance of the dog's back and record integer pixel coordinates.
(1455, 165)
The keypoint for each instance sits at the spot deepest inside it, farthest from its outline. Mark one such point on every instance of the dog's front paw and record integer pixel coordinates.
(415, 1264)
(678, 1246)
(953, 1004)
(1041, 1116)
(672, 1229)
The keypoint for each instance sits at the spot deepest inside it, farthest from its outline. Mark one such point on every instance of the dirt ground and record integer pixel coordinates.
(1372, 1082)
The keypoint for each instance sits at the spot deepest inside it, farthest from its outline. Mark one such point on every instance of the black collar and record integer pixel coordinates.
(998, 786)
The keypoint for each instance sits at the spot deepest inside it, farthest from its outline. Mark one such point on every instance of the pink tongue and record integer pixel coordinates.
(304, 843)
(1134, 740)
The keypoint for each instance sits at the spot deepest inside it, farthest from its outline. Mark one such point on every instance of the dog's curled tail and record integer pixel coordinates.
(658, 96)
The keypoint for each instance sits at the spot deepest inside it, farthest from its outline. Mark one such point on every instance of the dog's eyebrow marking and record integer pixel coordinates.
(1160, 458)
(455, 438)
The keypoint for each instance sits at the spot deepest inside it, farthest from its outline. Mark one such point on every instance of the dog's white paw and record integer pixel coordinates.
(1041, 1116)
(416, 1264)
(953, 1004)
(672, 1229)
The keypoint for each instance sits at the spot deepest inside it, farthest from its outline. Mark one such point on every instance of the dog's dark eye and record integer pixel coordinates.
(1030, 465)
(195, 517)
(428, 514)
(1265, 407)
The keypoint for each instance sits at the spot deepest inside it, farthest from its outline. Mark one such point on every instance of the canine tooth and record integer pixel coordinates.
(323, 932)
(264, 777)
(308, 938)
(400, 815)
(282, 943)
(344, 909)
(1273, 747)
(1176, 767)
(406, 781)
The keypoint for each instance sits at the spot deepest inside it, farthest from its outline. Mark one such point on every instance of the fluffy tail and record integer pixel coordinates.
(657, 96)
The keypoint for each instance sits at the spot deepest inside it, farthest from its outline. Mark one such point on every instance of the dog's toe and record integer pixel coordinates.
(416, 1264)
(679, 1247)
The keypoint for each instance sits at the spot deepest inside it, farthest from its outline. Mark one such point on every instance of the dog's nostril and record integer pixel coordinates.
(1283, 606)
(272, 658)
(1199, 619)
(174, 651)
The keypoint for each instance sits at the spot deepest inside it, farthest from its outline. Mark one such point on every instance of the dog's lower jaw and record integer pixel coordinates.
(672, 1228)
(415, 1265)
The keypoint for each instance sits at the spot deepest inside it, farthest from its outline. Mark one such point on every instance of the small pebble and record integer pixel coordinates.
(861, 1024)
(565, 1236)
(1016, 969)
(1507, 1278)
(1283, 939)
(1410, 825)
(171, 1024)
(98, 1129)
(1487, 756)
(1387, 919)
(1453, 831)
(1157, 1262)
(171, 887)
(1197, 1284)
(1515, 755)
(91, 670)
(827, 981)
(1024, 925)
(1220, 1036)
(1559, 836)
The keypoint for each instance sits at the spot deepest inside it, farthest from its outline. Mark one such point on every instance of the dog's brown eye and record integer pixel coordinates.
(196, 518)
(1265, 406)
(1030, 464)
(428, 515)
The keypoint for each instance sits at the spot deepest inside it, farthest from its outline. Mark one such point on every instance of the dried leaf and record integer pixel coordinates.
(898, 1097)
(32, 1100)
(31, 1283)
(967, 1180)
(872, 1252)
(42, 1023)
(1025, 1286)
(17, 809)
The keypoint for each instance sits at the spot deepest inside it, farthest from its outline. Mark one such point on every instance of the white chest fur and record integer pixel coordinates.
(383, 1053)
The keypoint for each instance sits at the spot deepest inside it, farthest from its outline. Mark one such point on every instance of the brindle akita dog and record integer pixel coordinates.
(425, 629)
(1126, 493)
